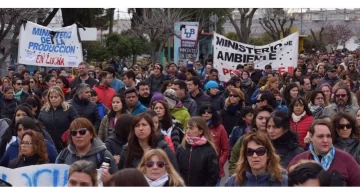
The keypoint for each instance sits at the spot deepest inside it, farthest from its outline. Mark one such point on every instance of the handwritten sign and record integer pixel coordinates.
(46, 175)
(42, 46)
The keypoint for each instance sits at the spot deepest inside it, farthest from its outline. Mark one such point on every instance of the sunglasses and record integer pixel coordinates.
(342, 126)
(150, 164)
(259, 152)
(18, 84)
(25, 143)
(207, 111)
(341, 95)
(81, 132)
(258, 101)
(232, 95)
(32, 82)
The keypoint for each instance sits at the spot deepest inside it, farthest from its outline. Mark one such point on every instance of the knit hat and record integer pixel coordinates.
(157, 96)
(171, 97)
(211, 84)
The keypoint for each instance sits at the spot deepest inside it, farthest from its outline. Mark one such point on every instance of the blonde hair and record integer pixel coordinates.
(57, 91)
(236, 91)
(200, 123)
(273, 162)
(269, 82)
(174, 178)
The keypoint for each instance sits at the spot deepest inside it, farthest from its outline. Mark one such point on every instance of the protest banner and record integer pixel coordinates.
(281, 55)
(42, 46)
(45, 175)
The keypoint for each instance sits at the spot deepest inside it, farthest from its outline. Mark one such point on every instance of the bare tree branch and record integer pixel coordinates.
(275, 21)
(243, 30)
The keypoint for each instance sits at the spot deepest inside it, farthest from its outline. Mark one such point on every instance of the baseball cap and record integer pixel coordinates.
(331, 68)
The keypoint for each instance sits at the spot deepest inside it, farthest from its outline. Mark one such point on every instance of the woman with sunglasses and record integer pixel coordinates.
(19, 94)
(233, 105)
(143, 137)
(283, 139)
(158, 171)
(84, 145)
(32, 150)
(107, 125)
(56, 115)
(220, 137)
(8, 103)
(197, 156)
(258, 165)
(347, 135)
(258, 124)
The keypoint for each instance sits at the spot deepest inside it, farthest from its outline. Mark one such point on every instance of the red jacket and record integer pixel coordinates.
(302, 127)
(105, 94)
(221, 141)
(343, 163)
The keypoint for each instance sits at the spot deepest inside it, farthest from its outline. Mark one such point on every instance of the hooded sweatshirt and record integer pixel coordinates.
(92, 155)
(180, 113)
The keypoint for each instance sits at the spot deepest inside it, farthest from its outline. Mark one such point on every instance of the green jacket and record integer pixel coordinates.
(235, 155)
(181, 114)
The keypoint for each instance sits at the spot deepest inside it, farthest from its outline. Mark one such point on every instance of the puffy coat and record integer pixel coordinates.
(222, 146)
(24, 161)
(350, 146)
(87, 110)
(302, 127)
(287, 147)
(199, 165)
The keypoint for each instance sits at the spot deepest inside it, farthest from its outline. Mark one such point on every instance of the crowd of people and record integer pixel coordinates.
(178, 125)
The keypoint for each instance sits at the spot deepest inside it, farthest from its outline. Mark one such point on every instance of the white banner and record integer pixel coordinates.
(42, 46)
(281, 55)
(45, 175)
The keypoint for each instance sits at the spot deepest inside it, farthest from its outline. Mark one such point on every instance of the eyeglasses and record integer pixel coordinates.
(258, 101)
(18, 84)
(150, 164)
(342, 126)
(341, 95)
(32, 82)
(25, 143)
(259, 152)
(232, 95)
(81, 132)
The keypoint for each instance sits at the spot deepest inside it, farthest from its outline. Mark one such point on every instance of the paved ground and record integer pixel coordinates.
(226, 169)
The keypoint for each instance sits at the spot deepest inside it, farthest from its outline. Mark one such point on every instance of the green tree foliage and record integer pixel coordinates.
(95, 51)
(125, 45)
(231, 35)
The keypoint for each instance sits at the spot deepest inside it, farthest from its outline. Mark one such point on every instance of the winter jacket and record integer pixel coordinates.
(235, 155)
(301, 127)
(105, 94)
(56, 122)
(8, 107)
(221, 141)
(103, 110)
(114, 144)
(287, 147)
(117, 84)
(332, 109)
(76, 81)
(190, 105)
(217, 101)
(25, 161)
(161, 144)
(181, 114)
(254, 95)
(87, 109)
(199, 165)
(97, 147)
(13, 152)
(174, 134)
(344, 169)
(104, 131)
(263, 180)
(201, 98)
(155, 83)
(231, 116)
(139, 108)
(330, 81)
(236, 133)
(350, 146)
(256, 76)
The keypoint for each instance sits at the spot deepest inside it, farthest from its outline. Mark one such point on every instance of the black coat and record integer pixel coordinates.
(199, 165)
(350, 146)
(24, 161)
(114, 145)
(56, 122)
(8, 108)
(75, 82)
(87, 110)
(287, 147)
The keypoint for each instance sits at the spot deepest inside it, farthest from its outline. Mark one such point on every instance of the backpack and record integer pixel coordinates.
(64, 153)
(179, 127)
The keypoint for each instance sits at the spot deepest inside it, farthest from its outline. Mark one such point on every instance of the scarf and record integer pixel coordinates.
(245, 82)
(159, 182)
(297, 118)
(195, 141)
(325, 160)
(18, 94)
(232, 109)
(65, 91)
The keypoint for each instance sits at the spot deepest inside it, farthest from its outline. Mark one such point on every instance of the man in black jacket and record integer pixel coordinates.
(84, 107)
